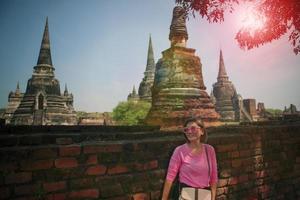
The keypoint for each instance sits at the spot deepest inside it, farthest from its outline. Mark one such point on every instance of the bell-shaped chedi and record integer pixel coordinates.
(225, 94)
(133, 96)
(229, 104)
(42, 103)
(178, 91)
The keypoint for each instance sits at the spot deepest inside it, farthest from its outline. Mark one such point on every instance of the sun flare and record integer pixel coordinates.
(252, 19)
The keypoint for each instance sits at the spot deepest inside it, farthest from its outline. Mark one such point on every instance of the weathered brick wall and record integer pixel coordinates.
(254, 162)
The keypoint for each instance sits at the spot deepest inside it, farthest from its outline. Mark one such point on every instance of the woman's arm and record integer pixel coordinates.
(213, 188)
(166, 191)
(214, 175)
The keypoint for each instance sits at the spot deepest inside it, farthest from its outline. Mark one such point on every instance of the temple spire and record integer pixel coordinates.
(66, 92)
(222, 71)
(18, 88)
(133, 90)
(150, 57)
(45, 53)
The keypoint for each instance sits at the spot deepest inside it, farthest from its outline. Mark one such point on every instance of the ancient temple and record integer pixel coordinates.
(42, 102)
(229, 104)
(133, 96)
(147, 82)
(291, 113)
(178, 90)
(225, 94)
(14, 100)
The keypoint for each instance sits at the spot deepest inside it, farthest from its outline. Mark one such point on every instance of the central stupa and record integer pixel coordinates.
(178, 91)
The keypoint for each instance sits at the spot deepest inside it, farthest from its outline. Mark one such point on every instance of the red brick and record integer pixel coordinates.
(234, 154)
(247, 162)
(92, 159)
(58, 196)
(44, 153)
(64, 141)
(122, 198)
(264, 189)
(37, 165)
(25, 189)
(117, 169)
(93, 149)
(7, 167)
(5, 193)
(87, 193)
(139, 167)
(226, 148)
(151, 165)
(55, 186)
(221, 190)
(114, 148)
(222, 182)
(69, 151)
(96, 170)
(225, 173)
(25, 198)
(21, 177)
(243, 178)
(255, 145)
(81, 183)
(140, 196)
(260, 174)
(233, 181)
(236, 163)
(155, 195)
(297, 167)
(245, 153)
(66, 163)
(252, 198)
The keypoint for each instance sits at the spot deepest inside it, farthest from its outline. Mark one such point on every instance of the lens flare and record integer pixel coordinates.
(252, 20)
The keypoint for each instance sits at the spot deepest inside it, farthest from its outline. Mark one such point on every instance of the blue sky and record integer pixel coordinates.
(99, 48)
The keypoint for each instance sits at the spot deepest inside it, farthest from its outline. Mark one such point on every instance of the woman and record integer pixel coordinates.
(191, 160)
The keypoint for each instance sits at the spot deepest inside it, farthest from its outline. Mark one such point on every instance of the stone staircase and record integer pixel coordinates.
(38, 117)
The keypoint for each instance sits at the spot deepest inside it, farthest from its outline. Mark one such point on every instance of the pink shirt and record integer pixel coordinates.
(193, 169)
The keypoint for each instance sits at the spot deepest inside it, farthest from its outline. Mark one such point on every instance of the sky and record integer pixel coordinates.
(99, 49)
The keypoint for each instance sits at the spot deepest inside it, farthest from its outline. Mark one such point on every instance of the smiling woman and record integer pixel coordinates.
(196, 164)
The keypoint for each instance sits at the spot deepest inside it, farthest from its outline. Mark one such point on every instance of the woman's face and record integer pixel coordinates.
(193, 131)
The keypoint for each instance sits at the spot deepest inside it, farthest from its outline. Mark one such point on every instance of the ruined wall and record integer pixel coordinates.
(254, 162)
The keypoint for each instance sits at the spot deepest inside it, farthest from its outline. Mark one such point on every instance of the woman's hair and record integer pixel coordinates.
(200, 123)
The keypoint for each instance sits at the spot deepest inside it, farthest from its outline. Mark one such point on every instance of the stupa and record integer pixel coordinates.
(178, 90)
(42, 103)
(225, 94)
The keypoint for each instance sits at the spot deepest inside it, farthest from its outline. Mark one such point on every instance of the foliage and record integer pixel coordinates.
(274, 112)
(82, 114)
(131, 112)
(281, 17)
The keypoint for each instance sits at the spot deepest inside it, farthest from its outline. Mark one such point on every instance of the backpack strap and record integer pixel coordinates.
(208, 163)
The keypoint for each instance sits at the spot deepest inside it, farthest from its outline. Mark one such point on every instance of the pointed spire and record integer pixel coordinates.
(133, 91)
(66, 92)
(150, 57)
(45, 53)
(18, 88)
(222, 71)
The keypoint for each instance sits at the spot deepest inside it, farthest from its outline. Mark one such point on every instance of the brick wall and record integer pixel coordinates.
(254, 162)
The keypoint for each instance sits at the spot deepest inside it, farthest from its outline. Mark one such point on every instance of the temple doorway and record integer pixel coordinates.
(41, 102)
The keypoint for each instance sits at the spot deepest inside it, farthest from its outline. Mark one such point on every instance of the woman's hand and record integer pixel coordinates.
(213, 191)
(166, 191)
